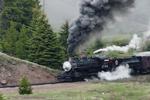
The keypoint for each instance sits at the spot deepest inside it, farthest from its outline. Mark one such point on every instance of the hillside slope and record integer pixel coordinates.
(13, 69)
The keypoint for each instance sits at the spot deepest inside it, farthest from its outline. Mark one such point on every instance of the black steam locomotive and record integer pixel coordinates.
(80, 68)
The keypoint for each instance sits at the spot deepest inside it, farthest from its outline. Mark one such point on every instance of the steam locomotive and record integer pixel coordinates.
(78, 69)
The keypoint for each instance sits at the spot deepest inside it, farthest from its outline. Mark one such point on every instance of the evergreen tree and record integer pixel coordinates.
(44, 47)
(63, 38)
(19, 11)
(25, 33)
(9, 40)
(64, 34)
(15, 19)
(24, 86)
(1, 5)
(21, 44)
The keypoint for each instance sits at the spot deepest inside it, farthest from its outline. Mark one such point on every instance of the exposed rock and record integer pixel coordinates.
(13, 69)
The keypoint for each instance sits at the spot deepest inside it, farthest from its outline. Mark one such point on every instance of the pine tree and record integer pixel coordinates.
(63, 38)
(21, 44)
(1, 5)
(13, 38)
(9, 40)
(44, 47)
(19, 11)
(64, 34)
(25, 86)
(25, 33)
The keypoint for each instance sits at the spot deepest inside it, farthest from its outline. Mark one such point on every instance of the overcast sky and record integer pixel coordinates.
(136, 21)
(60, 10)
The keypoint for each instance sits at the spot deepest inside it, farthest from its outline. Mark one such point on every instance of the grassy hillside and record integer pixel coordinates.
(13, 69)
(91, 91)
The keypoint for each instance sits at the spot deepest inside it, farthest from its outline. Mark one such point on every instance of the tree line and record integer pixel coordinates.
(26, 33)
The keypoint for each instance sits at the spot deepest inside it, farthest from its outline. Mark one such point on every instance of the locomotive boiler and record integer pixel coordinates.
(80, 68)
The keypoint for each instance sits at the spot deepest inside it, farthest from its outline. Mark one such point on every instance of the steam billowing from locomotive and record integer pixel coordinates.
(121, 72)
(94, 15)
(135, 44)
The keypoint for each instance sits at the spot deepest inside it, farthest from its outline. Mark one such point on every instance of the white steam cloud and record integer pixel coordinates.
(137, 43)
(146, 37)
(121, 72)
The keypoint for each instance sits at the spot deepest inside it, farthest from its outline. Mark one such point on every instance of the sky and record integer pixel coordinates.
(58, 11)
(137, 20)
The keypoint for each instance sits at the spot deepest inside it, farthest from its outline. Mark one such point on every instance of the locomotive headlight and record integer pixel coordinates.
(67, 66)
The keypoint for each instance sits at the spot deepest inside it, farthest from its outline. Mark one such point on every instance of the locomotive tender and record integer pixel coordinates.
(80, 68)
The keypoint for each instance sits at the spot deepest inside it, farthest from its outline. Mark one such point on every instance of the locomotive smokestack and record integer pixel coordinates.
(93, 16)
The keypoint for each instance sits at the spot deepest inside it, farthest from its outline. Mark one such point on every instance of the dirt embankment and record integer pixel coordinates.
(13, 69)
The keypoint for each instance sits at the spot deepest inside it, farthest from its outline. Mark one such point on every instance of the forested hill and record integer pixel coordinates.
(25, 33)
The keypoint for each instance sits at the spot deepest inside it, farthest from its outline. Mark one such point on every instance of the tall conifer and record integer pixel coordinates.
(18, 12)
(44, 47)
(63, 38)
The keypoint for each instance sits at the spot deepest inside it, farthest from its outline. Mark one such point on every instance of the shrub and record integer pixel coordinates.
(1, 97)
(24, 86)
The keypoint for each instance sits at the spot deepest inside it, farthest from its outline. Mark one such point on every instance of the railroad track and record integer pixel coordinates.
(37, 84)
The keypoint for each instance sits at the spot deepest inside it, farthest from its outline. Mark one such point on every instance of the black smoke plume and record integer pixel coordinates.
(94, 14)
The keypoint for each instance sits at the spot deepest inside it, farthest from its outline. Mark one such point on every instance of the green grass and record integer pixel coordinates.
(94, 91)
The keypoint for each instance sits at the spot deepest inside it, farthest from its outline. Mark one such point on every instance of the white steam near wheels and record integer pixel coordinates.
(121, 72)
(67, 66)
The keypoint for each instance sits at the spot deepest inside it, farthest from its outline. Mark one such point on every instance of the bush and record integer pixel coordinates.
(24, 86)
(1, 97)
